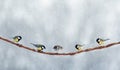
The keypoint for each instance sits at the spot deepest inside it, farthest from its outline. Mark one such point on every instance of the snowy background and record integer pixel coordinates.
(63, 22)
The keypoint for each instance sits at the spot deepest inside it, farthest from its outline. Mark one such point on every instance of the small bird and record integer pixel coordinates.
(40, 47)
(17, 38)
(57, 47)
(79, 47)
(101, 41)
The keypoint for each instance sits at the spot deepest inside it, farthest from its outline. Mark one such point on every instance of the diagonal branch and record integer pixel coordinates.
(52, 53)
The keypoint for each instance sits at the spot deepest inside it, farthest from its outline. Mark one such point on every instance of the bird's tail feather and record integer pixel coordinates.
(106, 39)
(32, 44)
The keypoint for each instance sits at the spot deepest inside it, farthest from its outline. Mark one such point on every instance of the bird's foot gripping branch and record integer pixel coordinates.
(52, 53)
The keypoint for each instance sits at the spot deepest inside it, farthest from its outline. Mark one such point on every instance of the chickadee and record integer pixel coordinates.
(57, 47)
(40, 47)
(79, 47)
(17, 38)
(101, 41)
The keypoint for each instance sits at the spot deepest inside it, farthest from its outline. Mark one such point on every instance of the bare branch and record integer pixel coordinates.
(52, 53)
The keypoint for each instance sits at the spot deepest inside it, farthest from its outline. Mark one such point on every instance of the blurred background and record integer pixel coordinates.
(62, 22)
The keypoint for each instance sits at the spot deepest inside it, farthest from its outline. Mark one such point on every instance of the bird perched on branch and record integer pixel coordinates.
(79, 47)
(17, 38)
(101, 41)
(57, 47)
(40, 47)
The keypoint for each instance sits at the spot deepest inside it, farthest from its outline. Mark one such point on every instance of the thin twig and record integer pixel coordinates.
(52, 53)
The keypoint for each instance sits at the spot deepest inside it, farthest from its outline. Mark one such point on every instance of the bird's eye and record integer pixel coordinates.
(43, 47)
(99, 40)
(18, 37)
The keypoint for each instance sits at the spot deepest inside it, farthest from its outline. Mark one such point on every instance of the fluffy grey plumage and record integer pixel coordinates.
(57, 47)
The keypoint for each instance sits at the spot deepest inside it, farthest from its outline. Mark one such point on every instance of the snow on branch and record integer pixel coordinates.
(53, 53)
